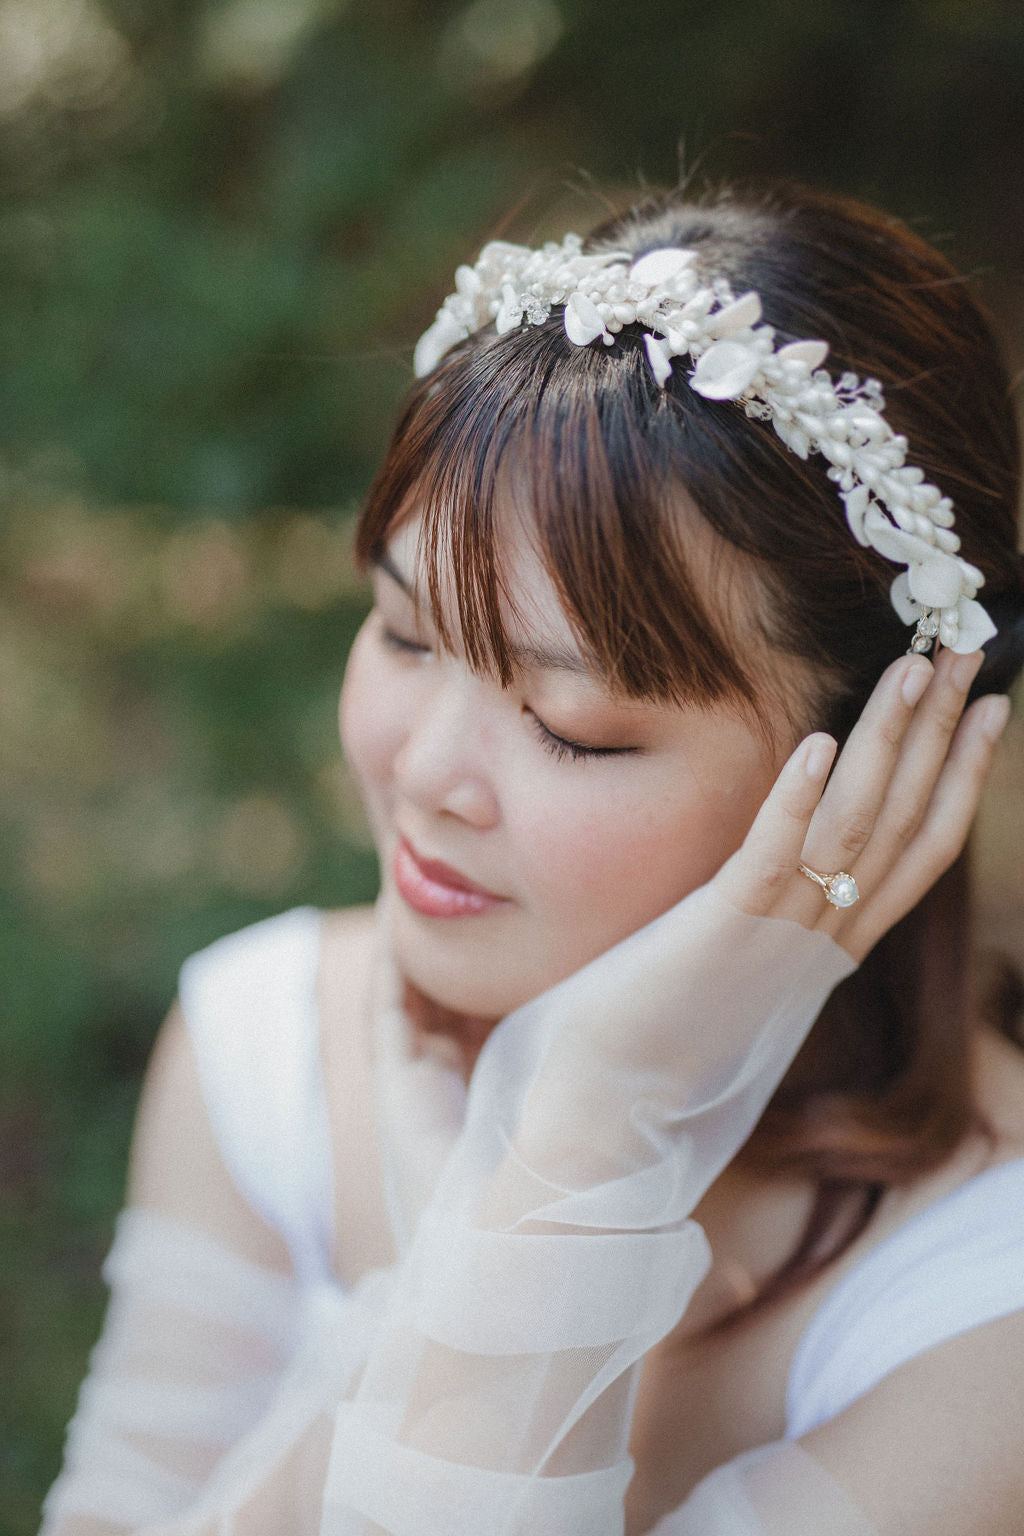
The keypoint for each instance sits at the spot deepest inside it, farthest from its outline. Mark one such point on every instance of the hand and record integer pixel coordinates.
(896, 811)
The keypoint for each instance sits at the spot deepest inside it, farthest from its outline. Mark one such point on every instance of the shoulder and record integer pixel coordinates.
(934, 1448)
(177, 1166)
(232, 1077)
(281, 951)
(254, 1000)
(291, 953)
(249, 1002)
(921, 1345)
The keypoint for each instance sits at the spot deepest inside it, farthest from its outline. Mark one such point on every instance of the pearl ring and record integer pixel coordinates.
(840, 889)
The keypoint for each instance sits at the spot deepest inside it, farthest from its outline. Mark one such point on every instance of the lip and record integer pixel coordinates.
(434, 889)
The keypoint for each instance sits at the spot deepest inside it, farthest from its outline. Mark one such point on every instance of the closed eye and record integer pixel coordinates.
(402, 643)
(561, 747)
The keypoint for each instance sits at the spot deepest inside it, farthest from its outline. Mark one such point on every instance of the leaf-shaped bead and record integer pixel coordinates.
(726, 369)
(583, 321)
(658, 267)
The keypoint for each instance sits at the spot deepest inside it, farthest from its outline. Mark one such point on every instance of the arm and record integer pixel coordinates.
(199, 1326)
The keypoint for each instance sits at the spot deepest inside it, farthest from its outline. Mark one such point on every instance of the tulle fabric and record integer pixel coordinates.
(487, 1382)
(194, 1346)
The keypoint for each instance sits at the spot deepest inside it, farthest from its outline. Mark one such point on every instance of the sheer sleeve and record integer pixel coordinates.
(557, 1248)
(193, 1347)
(487, 1381)
(776, 1490)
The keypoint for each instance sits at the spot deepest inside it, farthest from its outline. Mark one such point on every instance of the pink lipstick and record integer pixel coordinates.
(436, 890)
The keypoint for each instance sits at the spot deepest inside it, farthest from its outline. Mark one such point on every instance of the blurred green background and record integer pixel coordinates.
(222, 225)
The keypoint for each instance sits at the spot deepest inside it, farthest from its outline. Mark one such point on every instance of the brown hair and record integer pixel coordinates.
(614, 472)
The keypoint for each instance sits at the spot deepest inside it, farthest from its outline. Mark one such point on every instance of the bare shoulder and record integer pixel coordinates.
(1000, 1090)
(176, 1165)
(934, 1448)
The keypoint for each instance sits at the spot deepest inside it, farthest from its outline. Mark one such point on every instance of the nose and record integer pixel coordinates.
(442, 766)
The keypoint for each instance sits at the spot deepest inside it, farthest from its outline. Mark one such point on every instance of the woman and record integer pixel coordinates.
(632, 555)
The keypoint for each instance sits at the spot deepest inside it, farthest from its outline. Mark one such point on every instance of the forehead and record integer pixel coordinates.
(534, 619)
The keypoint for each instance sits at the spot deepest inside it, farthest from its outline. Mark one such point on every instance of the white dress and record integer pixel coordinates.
(487, 1382)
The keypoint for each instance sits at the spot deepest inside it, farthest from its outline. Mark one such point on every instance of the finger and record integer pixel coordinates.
(925, 746)
(760, 873)
(850, 807)
(950, 811)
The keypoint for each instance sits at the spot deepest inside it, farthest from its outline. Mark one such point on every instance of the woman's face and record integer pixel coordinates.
(524, 830)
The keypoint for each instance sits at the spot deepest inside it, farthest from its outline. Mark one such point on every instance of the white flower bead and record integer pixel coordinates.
(907, 607)
(935, 580)
(856, 504)
(949, 629)
(809, 354)
(905, 519)
(583, 320)
(658, 358)
(737, 316)
(660, 266)
(510, 312)
(444, 334)
(974, 627)
(725, 370)
(794, 437)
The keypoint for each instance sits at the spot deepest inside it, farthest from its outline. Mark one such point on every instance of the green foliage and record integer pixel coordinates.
(222, 225)
(170, 771)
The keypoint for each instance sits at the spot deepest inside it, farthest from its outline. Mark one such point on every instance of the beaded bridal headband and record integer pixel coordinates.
(890, 507)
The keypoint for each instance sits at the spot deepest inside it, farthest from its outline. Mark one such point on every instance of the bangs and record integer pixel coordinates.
(579, 443)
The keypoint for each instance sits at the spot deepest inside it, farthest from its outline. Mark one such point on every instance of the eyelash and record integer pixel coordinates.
(560, 748)
(396, 642)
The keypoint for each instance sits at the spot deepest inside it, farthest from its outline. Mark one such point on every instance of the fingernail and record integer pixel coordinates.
(995, 712)
(964, 670)
(819, 757)
(915, 681)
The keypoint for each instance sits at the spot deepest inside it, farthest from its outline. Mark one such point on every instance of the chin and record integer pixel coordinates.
(460, 965)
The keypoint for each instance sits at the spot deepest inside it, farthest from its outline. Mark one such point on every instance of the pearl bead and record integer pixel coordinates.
(842, 891)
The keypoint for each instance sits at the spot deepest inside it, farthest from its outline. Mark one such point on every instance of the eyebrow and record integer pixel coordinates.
(546, 658)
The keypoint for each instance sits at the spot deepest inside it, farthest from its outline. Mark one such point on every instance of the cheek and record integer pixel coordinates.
(370, 734)
(610, 858)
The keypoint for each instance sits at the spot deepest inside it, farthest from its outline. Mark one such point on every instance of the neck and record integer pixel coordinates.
(457, 1038)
